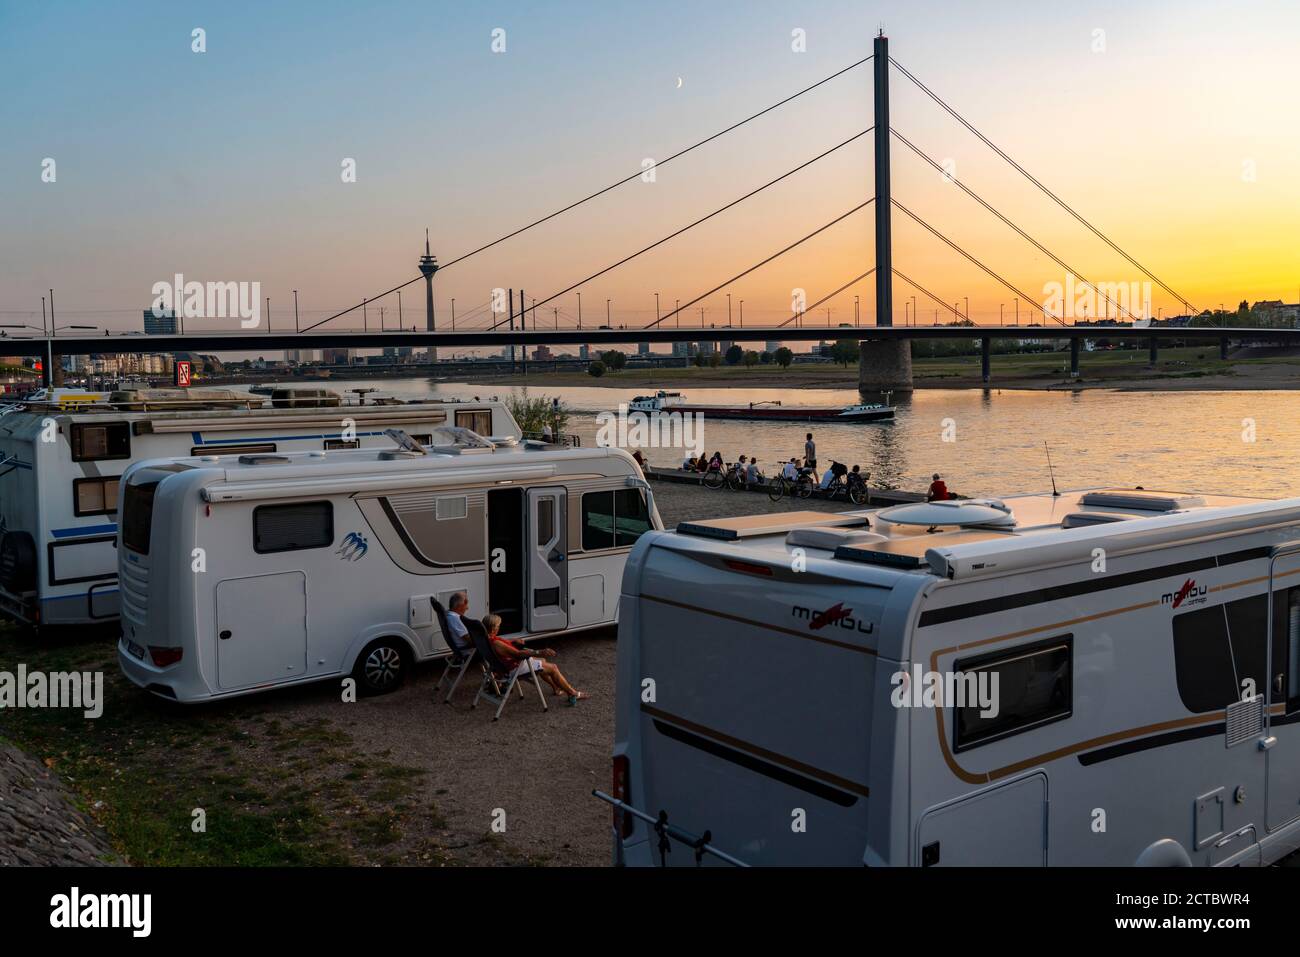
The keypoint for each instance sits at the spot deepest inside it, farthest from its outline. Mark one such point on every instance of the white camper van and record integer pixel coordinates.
(244, 573)
(62, 454)
(818, 684)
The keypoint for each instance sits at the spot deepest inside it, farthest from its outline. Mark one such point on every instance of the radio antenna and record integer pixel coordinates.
(1055, 493)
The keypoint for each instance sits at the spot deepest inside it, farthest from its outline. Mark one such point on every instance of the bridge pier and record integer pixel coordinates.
(1151, 359)
(1074, 358)
(985, 357)
(885, 365)
(1223, 347)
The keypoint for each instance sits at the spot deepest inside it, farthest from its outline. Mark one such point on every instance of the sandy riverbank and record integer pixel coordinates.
(1177, 376)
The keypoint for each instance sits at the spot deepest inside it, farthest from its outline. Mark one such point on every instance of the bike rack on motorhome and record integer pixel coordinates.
(1079, 679)
(62, 454)
(243, 573)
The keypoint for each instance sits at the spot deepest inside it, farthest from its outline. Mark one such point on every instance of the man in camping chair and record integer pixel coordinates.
(458, 640)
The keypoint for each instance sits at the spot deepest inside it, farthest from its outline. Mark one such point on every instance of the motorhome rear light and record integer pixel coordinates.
(621, 789)
(749, 568)
(162, 657)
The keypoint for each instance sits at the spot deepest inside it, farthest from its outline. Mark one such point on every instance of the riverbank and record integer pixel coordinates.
(1182, 369)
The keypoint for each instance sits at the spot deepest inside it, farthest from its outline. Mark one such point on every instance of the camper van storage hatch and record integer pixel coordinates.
(263, 459)
(751, 526)
(1139, 499)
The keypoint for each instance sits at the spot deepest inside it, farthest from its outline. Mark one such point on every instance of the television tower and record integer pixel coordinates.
(429, 266)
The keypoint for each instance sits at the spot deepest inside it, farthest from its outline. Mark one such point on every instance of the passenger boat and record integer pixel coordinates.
(663, 401)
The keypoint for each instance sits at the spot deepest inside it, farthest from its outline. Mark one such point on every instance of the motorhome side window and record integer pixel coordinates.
(342, 444)
(1218, 649)
(613, 519)
(96, 441)
(1013, 690)
(476, 420)
(94, 496)
(288, 528)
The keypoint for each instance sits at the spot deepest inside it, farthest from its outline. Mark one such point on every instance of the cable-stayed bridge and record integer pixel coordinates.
(885, 353)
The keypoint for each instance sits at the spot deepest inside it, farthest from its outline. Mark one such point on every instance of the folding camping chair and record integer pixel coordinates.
(499, 677)
(460, 658)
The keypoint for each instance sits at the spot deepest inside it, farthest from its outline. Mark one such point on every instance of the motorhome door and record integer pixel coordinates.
(548, 573)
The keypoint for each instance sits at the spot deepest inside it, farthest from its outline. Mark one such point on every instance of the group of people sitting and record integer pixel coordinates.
(746, 467)
(515, 654)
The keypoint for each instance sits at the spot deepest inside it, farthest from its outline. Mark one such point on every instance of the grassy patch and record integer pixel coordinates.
(271, 790)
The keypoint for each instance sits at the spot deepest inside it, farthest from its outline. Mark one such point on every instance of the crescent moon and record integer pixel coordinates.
(679, 83)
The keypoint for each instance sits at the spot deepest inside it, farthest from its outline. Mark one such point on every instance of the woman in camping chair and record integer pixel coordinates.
(527, 659)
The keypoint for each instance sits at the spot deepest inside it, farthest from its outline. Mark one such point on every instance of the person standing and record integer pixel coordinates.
(809, 452)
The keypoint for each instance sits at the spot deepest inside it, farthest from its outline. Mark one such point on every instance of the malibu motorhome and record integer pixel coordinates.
(248, 572)
(62, 454)
(1082, 679)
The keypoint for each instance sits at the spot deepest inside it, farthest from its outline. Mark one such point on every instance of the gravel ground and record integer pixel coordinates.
(534, 769)
(538, 767)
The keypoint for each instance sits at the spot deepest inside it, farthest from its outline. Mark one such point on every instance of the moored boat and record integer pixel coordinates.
(663, 401)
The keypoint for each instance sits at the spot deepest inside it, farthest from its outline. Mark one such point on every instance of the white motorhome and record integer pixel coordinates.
(244, 573)
(62, 455)
(818, 684)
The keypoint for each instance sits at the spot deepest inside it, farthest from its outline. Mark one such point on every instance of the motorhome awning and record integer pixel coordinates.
(347, 483)
(310, 419)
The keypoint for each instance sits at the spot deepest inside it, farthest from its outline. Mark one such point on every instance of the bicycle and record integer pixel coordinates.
(801, 486)
(853, 485)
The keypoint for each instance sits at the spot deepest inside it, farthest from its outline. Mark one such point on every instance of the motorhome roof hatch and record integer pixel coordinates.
(1141, 499)
(1088, 519)
(830, 538)
(751, 526)
(263, 459)
(908, 551)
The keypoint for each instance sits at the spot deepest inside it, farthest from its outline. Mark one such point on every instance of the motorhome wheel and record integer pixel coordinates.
(382, 667)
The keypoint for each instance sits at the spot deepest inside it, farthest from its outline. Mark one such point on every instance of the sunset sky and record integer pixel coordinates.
(1180, 139)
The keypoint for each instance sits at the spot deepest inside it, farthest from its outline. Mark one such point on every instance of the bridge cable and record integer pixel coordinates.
(702, 219)
(916, 285)
(968, 256)
(826, 298)
(741, 275)
(1024, 172)
(1037, 245)
(615, 185)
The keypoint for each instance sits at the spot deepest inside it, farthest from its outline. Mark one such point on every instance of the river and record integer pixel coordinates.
(988, 442)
